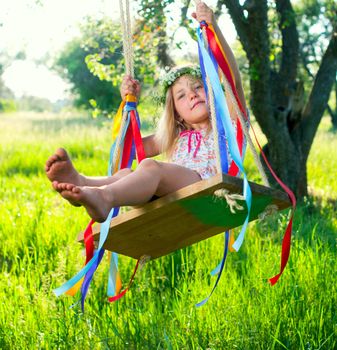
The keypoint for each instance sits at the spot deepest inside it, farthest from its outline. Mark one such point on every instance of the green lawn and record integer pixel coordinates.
(38, 252)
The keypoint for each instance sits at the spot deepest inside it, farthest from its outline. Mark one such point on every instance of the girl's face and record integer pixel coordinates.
(190, 101)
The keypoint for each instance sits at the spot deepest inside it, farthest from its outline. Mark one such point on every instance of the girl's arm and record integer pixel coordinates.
(132, 86)
(204, 13)
(151, 146)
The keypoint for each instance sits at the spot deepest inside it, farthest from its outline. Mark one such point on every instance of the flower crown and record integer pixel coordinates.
(169, 78)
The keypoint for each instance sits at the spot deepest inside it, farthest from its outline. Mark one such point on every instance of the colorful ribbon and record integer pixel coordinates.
(223, 118)
(209, 66)
(130, 143)
(223, 63)
(216, 50)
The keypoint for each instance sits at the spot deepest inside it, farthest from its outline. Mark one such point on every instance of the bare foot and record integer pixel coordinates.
(92, 198)
(60, 168)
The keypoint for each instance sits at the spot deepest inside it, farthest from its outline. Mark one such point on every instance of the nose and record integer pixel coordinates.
(192, 94)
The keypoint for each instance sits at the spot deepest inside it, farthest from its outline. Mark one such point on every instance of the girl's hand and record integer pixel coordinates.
(130, 86)
(204, 13)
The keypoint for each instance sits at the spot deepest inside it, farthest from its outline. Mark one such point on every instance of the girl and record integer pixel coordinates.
(184, 134)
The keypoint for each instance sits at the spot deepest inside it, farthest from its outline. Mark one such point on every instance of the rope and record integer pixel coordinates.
(127, 37)
(129, 33)
(231, 199)
(214, 127)
(228, 90)
(269, 210)
(129, 68)
(143, 260)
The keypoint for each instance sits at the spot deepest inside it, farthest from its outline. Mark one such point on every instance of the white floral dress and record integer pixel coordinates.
(194, 149)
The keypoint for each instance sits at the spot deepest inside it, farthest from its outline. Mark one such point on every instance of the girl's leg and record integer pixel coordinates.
(150, 178)
(59, 168)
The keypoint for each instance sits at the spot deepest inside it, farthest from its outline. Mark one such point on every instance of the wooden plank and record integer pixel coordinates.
(168, 223)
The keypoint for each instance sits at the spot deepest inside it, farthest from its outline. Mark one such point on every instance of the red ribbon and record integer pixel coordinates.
(89, 241)
(222, 62)
(137, 137)
(286, 243)
(233, 168)
(127, 148)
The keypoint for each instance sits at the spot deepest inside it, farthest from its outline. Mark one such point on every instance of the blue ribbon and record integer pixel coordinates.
(88, 277)
(224, 119)
(112, 274)
(129, 106)
(220, 269)
(221, 131)
(71, 282)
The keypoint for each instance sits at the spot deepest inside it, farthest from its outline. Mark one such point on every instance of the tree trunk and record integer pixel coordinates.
(277, 97)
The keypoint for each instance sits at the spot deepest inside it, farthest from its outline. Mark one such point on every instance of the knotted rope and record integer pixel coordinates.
(231, 199)
(269, 210)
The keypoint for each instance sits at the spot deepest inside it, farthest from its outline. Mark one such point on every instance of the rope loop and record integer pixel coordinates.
(268, 211)
(230, 198)
(143, 260)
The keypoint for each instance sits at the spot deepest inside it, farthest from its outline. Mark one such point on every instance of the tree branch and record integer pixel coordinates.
(283, 86)
(290, 40)
(236, 12)
(320, 93)
(330, 111)
(184, 9)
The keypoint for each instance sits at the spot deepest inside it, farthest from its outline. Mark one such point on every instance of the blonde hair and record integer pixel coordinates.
(169, 125)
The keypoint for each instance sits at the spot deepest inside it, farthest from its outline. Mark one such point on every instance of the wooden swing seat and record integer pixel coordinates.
(184, 217)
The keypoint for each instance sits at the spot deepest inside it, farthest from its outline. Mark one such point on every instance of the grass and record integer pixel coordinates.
(38, 252)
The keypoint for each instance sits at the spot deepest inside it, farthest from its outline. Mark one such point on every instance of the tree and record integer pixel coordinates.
(6, 95)
(312, 43)
(94, 64)
(287, 116)
(153, 19)
(71, 64)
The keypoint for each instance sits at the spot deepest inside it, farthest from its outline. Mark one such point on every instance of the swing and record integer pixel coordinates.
(193, 213)
(186, 216)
